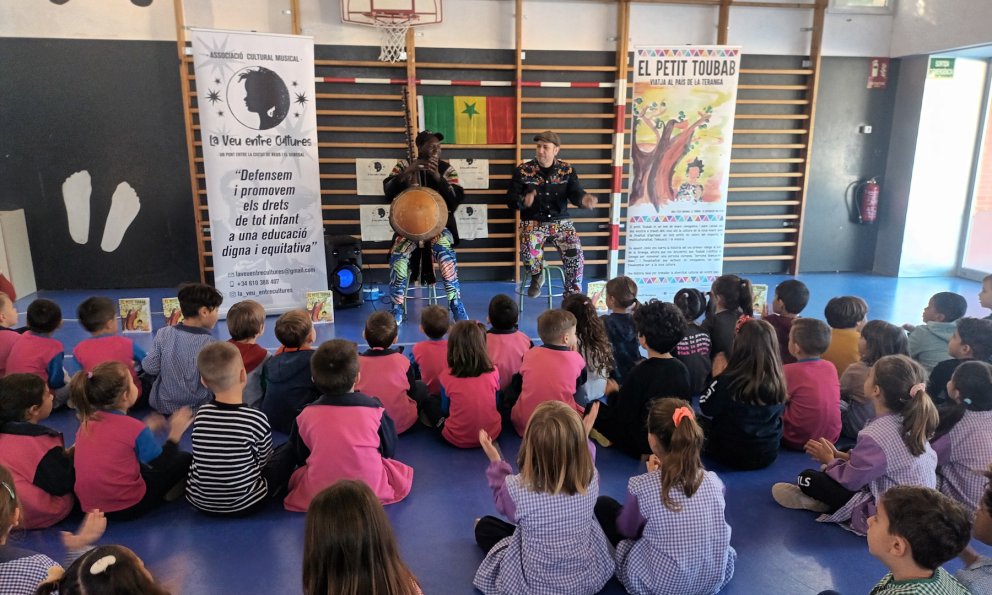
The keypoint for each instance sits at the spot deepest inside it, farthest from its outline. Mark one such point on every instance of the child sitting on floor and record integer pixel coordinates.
(8, 336)
(963, 440)
(594, 347)
(732, 300)
(232, 442)
(972, 340)
(791, 297)
(976, 576)
(469, 386)
(246, 323)
(694, 348)
(558, 546)
(621, 299)
(845, 315)
(892, 450)
(349, 542)
(913, 532)
(552, 372)
(99, 317)
(387, 374)
(928, 342)
(813, 408)
(286, 384)
(505, 344)
(35, 455)
(342, 435)
(104, 569)
(675, 538)
(36, 352)
(173, 354)
(430, 356)
(985, 295)
(120, 468)
(660, 326)
(878, 339)
(746, 402)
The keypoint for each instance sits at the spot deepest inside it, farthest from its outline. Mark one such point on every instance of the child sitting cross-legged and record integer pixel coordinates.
(8, 334)
(670, 534)
(38, 353)
(972, 340)
(660, 326)
(621, 299)
(928, 341)
(976, 576)
(505, 344)
(387, 374)
(878, 339)
(431, 356)
(812, 410)
(552, 372)
(246, 323)
(694, 348)
(732, 300)
(594, 346)
(791, 297)
(845, 315)
(286, 384)
(342, 435)
(99, 317)
(231, 442)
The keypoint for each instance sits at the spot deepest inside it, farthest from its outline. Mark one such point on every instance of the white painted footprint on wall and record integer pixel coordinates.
(124, 207)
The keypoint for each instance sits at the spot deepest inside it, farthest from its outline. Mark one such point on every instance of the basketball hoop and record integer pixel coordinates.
(392, 26)
(393, 18)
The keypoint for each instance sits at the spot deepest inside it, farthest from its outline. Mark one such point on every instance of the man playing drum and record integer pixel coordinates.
(541, 189)
(429, 171)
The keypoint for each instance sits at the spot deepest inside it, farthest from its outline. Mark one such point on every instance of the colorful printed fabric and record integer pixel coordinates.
(399, 266)
(533, 235)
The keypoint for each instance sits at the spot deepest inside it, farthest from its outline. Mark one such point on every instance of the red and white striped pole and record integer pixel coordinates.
(616, 188)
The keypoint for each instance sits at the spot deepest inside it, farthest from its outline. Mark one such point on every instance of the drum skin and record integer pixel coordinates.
(418, 213)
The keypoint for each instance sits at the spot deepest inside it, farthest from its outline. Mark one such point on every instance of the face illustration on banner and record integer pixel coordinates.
(469, 211)
(378, 166)
(258, 98)
(381, 213)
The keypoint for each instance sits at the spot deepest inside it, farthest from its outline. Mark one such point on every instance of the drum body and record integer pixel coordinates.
(418, 213)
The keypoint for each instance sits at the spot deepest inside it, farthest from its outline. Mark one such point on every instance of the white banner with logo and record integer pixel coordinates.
(683, 108)
(255, 93)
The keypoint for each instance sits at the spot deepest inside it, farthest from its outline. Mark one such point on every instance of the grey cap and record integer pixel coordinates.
(549, 136)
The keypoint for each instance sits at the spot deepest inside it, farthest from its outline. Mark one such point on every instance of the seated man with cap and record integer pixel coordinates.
(428, 170)
(541, 190)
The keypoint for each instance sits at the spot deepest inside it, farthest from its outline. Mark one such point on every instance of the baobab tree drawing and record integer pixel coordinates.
(654, 167)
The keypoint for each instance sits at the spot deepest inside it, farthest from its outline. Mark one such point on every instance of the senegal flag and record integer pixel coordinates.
(470, 120)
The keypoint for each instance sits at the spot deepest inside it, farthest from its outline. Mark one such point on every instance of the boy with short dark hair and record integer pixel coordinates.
(173, 355)
(505, 344)
(812, 410)
(972, 340)
(344, 434)
(246, 323)
(287, 386)
(928, 342)
(845, 315)
(553, 371)
(387, 374)
(430, 357)
(232, 443)
(8, 336)
(99, 317)
(791, 297)
(985, 295)
(913, 532)
(660, 327)
(36, 352)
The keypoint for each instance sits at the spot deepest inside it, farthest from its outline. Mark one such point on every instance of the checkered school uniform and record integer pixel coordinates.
(977, 576)
(963, 455)
(684, 552)
(21, 571)
(941, 583)
(898, 467)
(558, 547)
(173, 359)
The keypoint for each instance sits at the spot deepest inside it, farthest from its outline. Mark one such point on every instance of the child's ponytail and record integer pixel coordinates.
(903, 385)
(734, 292)
(673, 424)
(623, 290)
(972, 381)
(98, 389)
(745, 297)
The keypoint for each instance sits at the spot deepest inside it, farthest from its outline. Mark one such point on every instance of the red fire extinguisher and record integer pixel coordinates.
(866, 201)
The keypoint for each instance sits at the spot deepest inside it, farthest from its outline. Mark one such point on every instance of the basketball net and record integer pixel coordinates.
(392, 36)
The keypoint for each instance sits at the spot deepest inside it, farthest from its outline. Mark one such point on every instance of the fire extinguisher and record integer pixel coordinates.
(866, 201)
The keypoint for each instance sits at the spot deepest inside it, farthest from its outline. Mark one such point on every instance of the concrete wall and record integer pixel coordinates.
(929, 26)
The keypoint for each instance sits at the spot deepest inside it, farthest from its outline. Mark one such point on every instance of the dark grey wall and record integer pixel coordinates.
(841, 158)
(906, 111)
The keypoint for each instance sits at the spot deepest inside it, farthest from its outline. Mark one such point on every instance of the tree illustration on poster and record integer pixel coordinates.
(654, 169)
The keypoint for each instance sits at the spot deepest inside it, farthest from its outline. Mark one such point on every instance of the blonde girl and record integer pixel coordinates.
(559, 546)
(671, 535)
(893, 449)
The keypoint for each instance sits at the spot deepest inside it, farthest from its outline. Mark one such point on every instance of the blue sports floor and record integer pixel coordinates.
(779, 550)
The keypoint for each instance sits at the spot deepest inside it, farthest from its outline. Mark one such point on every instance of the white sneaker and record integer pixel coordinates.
(790, 496)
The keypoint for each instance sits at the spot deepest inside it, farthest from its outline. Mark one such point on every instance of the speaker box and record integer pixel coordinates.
(344, 270)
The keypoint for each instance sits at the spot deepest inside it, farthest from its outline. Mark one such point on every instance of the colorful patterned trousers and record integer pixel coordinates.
(444, 256)
(533, 235)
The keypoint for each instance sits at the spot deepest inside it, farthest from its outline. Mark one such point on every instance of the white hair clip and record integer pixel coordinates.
(102, 564)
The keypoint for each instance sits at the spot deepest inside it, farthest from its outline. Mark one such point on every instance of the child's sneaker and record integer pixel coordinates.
(790, 496)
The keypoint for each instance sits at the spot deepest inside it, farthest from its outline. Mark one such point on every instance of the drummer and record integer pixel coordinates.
(429, 171)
